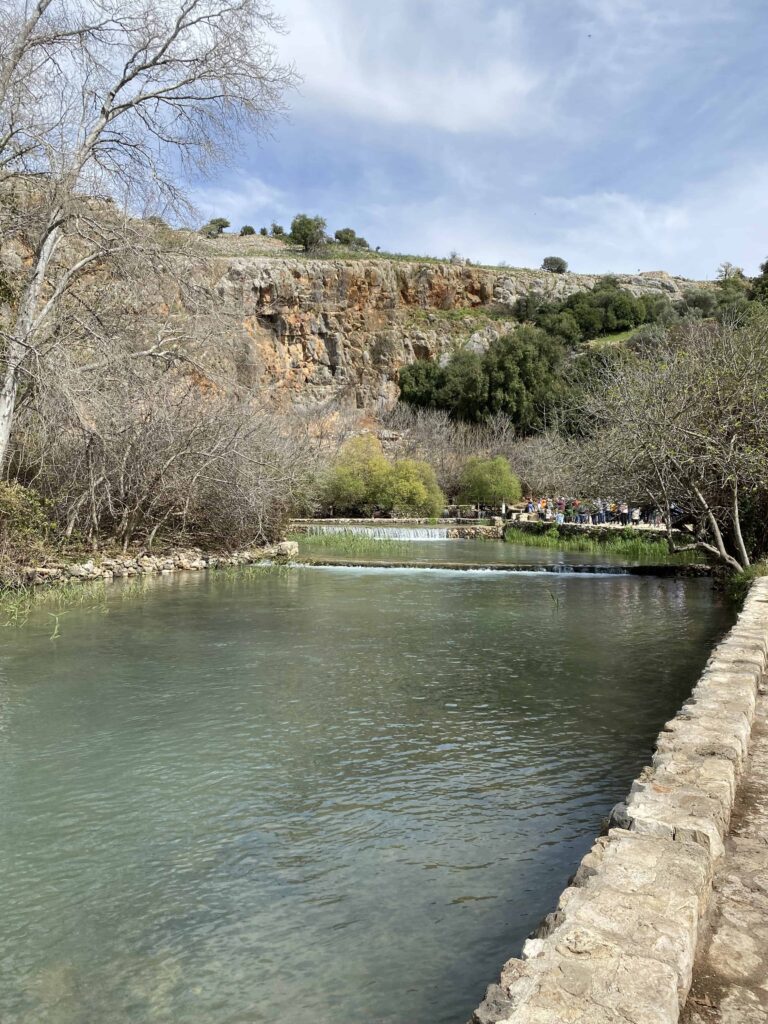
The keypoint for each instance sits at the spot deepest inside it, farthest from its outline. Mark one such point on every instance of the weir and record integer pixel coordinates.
(382, 532)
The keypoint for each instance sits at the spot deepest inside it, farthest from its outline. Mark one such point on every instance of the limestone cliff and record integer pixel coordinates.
(336, 331)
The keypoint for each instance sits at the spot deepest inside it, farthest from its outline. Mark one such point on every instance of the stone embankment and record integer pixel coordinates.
(730, 978)
(105, 567)
(621, 944)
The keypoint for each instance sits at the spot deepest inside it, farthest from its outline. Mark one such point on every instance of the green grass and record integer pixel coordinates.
(18, 603)
(737, 585)
(608, 340)
(350, 545)
(626, 543)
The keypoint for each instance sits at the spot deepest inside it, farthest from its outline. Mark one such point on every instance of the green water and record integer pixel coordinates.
(342, 547)
(316, 796)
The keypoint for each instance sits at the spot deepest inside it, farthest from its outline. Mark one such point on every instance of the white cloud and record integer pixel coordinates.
(407, 64)
(602, 232)
(243, 200)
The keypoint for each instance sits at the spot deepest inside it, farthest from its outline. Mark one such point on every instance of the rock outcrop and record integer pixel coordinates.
(315, 332)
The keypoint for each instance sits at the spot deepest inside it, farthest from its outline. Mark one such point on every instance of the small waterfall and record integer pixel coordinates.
(384, 532)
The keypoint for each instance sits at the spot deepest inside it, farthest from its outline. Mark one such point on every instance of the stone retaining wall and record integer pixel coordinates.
(621, 943)
(119, 566)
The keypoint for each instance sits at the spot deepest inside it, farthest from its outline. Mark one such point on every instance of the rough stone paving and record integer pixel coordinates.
(730, 981)
(686, 870)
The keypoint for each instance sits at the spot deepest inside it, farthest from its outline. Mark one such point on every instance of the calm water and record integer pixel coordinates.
(353, 543)
(473, 551)
(320, 795)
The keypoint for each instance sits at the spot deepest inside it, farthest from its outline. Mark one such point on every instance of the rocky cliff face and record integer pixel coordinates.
(326, 332)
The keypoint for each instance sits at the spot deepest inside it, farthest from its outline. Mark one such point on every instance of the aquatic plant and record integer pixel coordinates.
(627, 543)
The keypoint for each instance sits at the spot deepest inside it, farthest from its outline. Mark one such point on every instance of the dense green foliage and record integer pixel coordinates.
(348, 236)
(247, 229)
(607, 309)
(308, 232)
(214, 227)
(518, 375)
(489, 482)
(363, 481)
(554, 264)
(278, 231)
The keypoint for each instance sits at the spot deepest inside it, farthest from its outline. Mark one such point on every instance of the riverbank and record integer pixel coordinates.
(59, 579)
(622, 941)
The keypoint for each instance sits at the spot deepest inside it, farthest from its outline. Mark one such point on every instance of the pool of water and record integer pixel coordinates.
(360, 549)
(316, 795)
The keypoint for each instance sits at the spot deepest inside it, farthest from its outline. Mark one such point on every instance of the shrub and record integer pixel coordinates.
(214, 227)
(308, 232)
(363, 481)
(346, 236)
(246, 229)
(263, 232)
(554, 264)
(278, 231)
(489, 482)
(25, 526)
(357, 482)
(412, 489)
(518, 376)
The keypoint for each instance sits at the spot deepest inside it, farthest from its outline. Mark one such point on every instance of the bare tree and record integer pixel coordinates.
(112, 99)
(684, 425)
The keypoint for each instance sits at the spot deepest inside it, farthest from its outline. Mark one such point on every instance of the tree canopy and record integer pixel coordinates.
(489, 482)
(363, 480)
(518, 375)
(308, 232)
(554, 264)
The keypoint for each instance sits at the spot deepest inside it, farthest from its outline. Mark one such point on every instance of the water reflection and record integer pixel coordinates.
(316, 795)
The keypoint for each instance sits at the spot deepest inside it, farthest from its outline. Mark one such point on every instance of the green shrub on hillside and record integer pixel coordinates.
(214, 227)
(308, 232)
(554, 264)
(607, 309)
(247, 229)
(519, 376)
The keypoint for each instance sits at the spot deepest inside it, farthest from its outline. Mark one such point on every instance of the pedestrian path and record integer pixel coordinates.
(730, 983)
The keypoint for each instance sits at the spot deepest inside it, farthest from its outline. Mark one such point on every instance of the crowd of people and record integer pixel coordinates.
(592, 512)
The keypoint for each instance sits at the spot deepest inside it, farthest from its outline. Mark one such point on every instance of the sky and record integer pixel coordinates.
(622, 135)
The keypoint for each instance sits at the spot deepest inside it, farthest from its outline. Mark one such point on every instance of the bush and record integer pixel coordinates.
(412, 489)
(278, 231)
(364, 481)
(518, 376)
(346, 236)
(554, 264)
(489, 482)
(246, 229)
(214, 227)
(25, 528)
(263, 232)
(607, 309)
(357, 482)
(308, 232)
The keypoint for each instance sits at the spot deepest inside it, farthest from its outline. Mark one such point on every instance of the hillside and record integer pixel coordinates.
(314, 331)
